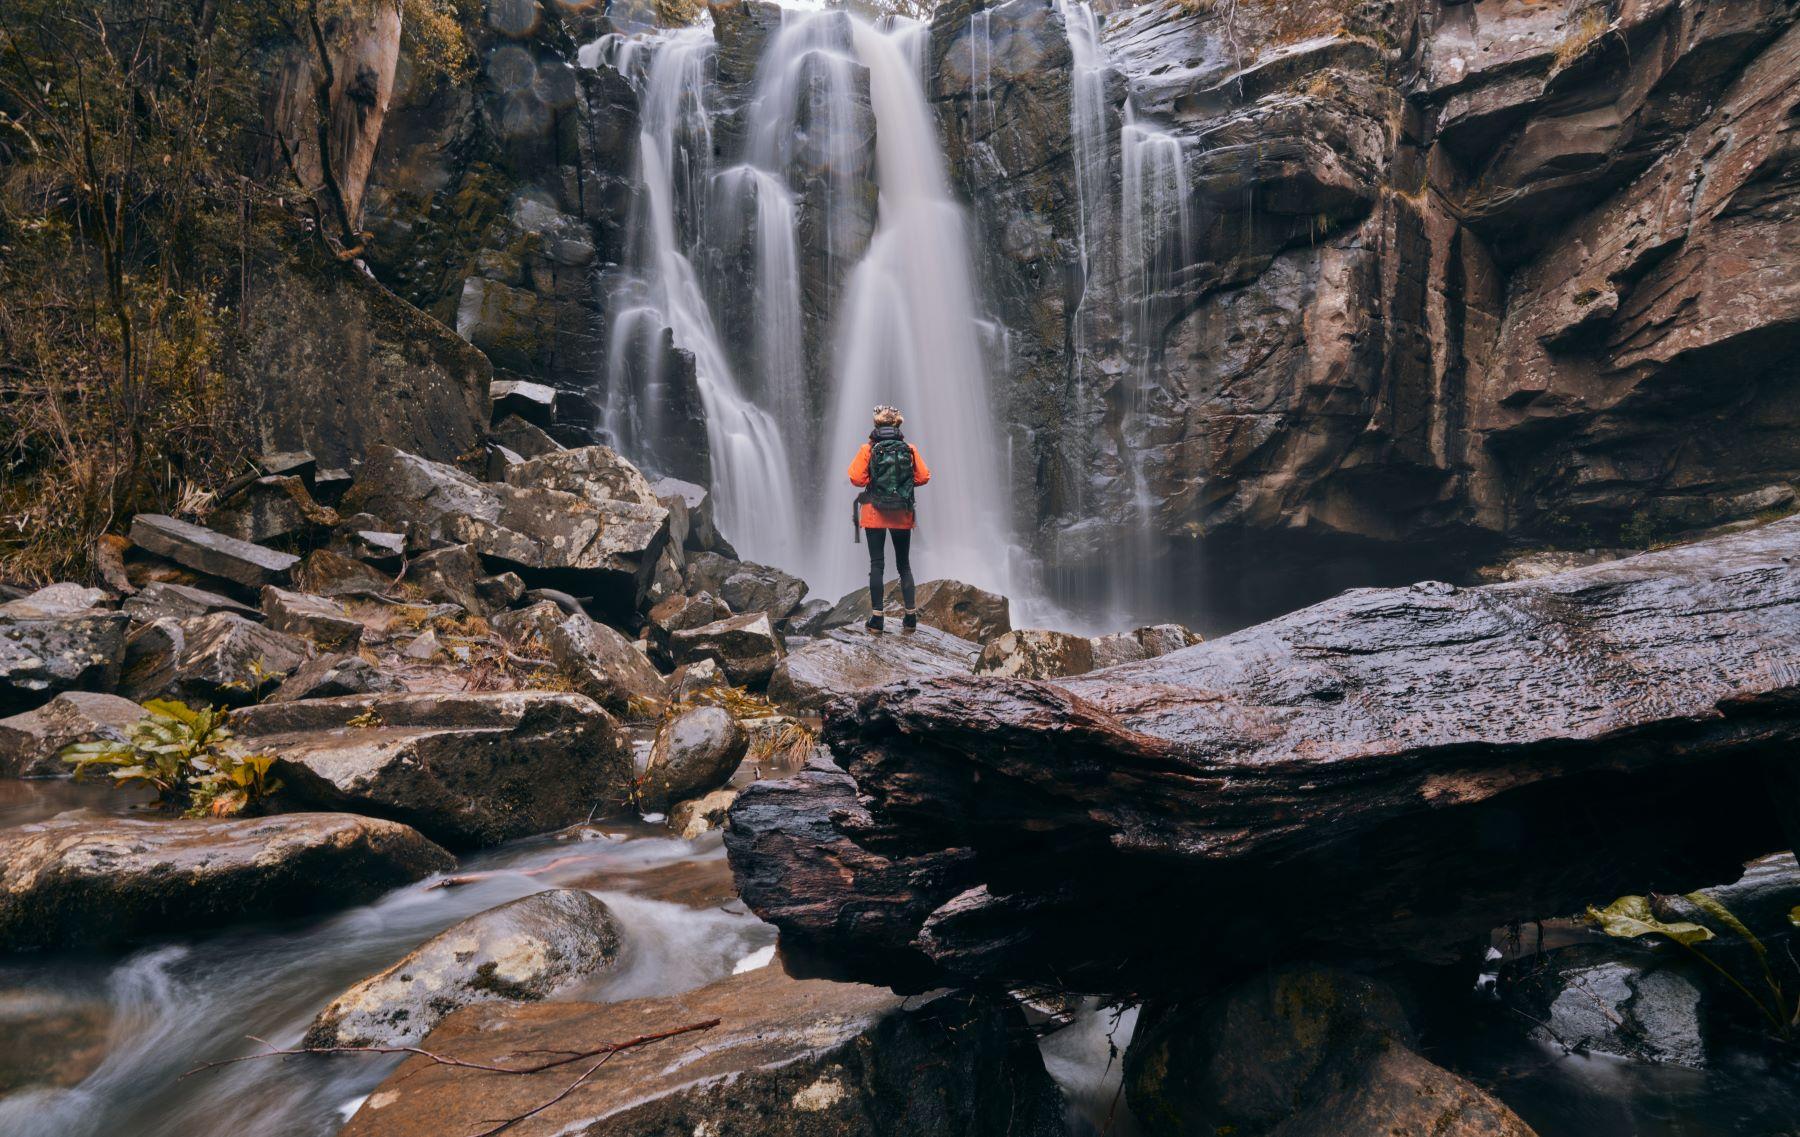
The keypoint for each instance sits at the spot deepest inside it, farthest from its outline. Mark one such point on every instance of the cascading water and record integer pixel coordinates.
(749, 456)
(907, 336)
(905, 331)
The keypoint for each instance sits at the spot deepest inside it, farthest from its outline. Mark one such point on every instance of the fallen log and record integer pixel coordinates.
(1388, 774)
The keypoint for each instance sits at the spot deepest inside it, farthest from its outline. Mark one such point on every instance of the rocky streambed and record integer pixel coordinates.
(523, 786)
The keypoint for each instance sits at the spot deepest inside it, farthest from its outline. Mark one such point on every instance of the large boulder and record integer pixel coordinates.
(520, 952)
(1087, 830)
(271, 507)
(744, 586)
(963, 610)
(605, 548)
(75, 880)
(1303, 1051)
(203, 550)
(596, 473)
(694, 752)
(220, 657)
(852, 658)
(746, 647)
(47, 648)
(472, 769)
(787, 1057)
(30, 743)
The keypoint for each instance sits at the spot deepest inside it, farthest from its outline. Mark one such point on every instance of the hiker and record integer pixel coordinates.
(889, 467)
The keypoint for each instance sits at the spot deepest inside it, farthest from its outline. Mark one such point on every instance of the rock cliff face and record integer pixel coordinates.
(1284, 297)
(1382, 276)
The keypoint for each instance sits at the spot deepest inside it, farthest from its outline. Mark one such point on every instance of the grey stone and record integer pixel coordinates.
(519, 952)
(214, 553)
(695, 752)
(31, 743)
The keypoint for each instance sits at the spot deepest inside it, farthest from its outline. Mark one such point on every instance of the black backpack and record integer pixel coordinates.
(890, 470)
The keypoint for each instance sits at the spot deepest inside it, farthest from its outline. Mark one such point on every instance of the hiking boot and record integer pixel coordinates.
(874, 623)
(910, 621)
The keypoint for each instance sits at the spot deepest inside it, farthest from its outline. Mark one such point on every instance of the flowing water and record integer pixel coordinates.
(675, 166)
(904, 331)
(191, 999)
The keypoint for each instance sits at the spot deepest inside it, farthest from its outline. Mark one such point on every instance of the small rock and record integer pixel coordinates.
(31, 743)
(746, 647)
(696, 817)
(331, 675)
(518, 952)
(55, 600)
(290, 463)
(449, 575)
(688, 680)
(424, 646)
(1037, 653)
(80, 650)
(103, 881)
(226, 658)
(524, 438)
(473, 769)
(500, 591)
(1143, 643)
(214, 553)
(680, 613)
(271, 507)
(533, 402)
(327, 623)
(160, 598)
(695, 752)
(327, 572)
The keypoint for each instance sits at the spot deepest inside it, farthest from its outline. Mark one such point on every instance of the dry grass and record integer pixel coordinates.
(1590, 26)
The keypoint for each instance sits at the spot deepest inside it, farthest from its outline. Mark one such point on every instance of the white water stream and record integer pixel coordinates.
(905, 331)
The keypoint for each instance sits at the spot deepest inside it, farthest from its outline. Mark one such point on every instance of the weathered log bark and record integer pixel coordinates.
(1390, 773)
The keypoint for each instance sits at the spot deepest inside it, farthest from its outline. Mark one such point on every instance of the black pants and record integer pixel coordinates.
(902, 561)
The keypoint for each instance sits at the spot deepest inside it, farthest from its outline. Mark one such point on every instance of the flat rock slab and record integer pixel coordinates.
(519, 952)
(466, 769)
(1388, 773)
(789, 1058)
(845, 660)
(204, 550)
(104, 881)
(31, 743)
(180, 601)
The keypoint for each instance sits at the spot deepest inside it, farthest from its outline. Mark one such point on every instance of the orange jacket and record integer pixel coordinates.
(873, 518)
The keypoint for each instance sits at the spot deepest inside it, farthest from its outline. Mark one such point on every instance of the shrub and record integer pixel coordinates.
(182, 754)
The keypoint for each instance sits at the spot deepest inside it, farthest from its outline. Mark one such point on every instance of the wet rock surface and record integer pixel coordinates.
(693, 753)
(746, 648)
(850, 659)
(465, 769)
(787, 1057)
(1290, 755)
(963, 610)
(104, 881)
(518, 952)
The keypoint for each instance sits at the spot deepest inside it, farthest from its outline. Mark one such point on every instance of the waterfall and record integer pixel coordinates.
(907, 336)
(1087, 128)
(906, 329)
(752, 474)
